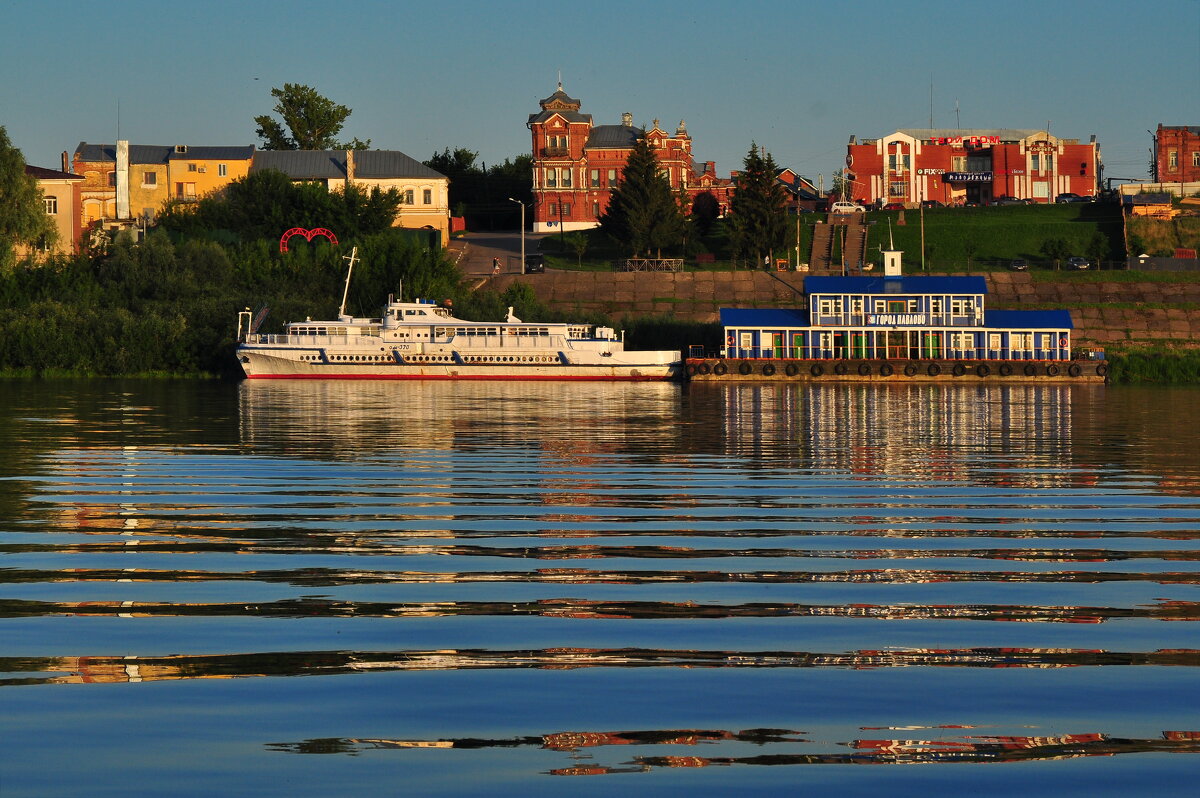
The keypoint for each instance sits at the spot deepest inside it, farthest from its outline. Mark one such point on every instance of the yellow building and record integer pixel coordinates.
(60, 198)
(425, 193)
(123, 182)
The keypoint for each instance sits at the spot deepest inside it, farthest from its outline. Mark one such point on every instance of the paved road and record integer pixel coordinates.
(475, 252)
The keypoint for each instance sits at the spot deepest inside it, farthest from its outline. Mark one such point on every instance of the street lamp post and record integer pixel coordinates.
(522, 204)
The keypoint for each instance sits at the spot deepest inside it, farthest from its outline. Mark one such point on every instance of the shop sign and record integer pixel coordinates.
(931, 171)
(960, 140)
(896, 319)
(967, 177)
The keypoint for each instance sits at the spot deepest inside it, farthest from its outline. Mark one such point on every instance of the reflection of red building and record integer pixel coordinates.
(576, 163)
(958, 166)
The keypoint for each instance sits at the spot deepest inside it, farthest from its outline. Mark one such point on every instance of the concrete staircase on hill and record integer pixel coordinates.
(820, 259)
(850, 229)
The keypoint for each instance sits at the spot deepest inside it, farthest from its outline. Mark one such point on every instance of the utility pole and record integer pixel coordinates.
(522, 204)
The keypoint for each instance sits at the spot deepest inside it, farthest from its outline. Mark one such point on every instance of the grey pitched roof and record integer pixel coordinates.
(153, 153)
(138, 153)
(614, 136)
(235, 153)
(302, 164)
(389, 163)
(331, 164)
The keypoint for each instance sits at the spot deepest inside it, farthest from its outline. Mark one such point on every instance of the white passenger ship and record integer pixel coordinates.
(420, 340)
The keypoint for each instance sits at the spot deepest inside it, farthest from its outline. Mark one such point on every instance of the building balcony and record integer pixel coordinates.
(555, 152)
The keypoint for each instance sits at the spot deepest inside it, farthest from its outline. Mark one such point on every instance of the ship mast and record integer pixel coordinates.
(346, 291)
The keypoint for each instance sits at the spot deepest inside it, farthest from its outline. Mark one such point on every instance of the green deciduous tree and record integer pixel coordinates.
(578, 242)
(1056, 248)
(313, 122)
(23, 218)
(643, 212)
(758, 207)
(265, 204)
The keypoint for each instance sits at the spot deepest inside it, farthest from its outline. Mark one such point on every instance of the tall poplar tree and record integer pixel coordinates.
(23, 218)
(643, 212)
(312, 119)
(758, 207)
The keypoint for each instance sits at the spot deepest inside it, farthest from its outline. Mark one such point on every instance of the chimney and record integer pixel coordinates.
(65, 163)
(349, 167)
(122, 180)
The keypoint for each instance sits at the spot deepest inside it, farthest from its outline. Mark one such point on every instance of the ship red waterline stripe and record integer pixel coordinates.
(459, 377)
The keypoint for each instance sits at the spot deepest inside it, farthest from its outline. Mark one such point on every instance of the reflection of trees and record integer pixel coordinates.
(109, 669)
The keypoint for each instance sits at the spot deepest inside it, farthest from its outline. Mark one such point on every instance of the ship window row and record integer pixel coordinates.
(319, 331)
(348, 358)
(445, 332)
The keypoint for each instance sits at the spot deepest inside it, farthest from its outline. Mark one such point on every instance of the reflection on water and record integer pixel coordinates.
(108, 669)
(778, 746)
(458, 550)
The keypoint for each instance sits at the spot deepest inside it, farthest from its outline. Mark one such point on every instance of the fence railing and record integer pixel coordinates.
(649, 265)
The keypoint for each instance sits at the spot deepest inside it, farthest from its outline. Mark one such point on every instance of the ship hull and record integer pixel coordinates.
(264, 366)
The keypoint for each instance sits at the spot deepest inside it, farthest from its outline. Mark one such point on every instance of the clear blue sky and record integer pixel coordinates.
(796, 77)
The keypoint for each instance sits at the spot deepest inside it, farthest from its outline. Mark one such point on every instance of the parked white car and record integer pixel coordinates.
(846, 207)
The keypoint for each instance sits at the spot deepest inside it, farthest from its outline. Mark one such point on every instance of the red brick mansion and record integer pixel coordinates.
(576, 163)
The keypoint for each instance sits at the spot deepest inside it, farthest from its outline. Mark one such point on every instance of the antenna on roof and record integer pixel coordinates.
(560, 80)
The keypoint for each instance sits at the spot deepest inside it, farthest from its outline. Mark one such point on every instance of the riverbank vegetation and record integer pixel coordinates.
(1161, 366)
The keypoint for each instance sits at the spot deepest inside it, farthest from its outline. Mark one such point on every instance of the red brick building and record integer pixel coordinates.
(576, 163)
(959, 166)
(1177, 154)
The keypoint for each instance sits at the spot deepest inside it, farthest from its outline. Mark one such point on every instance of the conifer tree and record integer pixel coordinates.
(759, 207)
(643, 212)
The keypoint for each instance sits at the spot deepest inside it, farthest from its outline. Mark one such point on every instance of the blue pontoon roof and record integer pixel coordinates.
(764, 317)
(918, 284)
(1029, 319)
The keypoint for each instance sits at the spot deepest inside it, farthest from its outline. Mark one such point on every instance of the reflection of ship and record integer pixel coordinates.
(421, 341)
(345, 418)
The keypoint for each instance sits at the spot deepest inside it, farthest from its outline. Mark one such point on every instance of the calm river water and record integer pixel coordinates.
(442, 589)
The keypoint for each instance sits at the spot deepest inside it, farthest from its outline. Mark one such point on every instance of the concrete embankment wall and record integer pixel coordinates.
(1105, 313)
